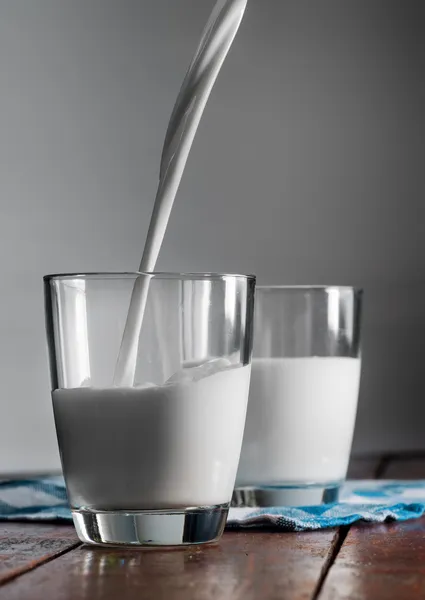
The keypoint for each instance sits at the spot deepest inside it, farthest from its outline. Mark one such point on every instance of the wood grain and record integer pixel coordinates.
(404, 468)
(244, 565)
(379, 562)
(363, 467)
(23, 546)
(373, 561)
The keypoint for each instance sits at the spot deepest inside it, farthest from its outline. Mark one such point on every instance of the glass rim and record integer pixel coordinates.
(311, 288)
(153, 274)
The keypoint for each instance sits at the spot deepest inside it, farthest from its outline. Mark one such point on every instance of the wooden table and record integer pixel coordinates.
(364, 561)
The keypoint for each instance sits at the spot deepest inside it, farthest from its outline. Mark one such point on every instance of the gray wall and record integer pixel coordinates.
(308, 168)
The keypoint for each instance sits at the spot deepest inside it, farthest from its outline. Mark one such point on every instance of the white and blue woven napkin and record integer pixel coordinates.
(374, 501)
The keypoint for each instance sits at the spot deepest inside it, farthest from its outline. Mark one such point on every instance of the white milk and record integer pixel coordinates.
(170, 446)
(215, 43)
(300, 420)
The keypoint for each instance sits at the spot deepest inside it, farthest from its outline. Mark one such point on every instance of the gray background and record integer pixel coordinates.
(307, 168)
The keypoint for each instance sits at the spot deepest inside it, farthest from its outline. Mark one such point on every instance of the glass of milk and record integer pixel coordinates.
(303, 396)
(152, 462)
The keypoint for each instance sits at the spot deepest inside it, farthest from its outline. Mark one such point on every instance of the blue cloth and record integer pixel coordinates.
(34, 499)
(373, 501)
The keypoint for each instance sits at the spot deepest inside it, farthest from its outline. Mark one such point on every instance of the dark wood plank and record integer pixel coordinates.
(363, 467)
(23, 546)
(244, 565)
(404, 468)
(379, 561)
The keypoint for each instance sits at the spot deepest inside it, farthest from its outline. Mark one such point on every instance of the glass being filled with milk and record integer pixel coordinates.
(303, 396)
(152, 460)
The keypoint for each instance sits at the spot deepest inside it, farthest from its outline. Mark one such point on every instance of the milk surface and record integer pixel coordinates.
(154, 447)
(300, 420)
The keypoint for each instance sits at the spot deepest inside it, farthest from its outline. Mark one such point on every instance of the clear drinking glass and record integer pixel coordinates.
(303, 396)
(154, 462)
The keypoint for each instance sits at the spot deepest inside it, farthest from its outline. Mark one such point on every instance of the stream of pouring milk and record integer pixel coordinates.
(215, 43)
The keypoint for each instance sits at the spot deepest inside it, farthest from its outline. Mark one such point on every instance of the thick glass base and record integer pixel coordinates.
(151, 527)
(286, 495)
